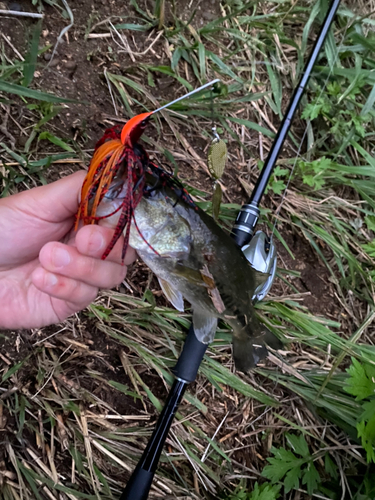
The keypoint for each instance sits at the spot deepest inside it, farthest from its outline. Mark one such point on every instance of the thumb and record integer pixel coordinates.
(54, 202)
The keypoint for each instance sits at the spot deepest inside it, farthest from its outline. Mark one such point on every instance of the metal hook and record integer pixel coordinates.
(215, 134)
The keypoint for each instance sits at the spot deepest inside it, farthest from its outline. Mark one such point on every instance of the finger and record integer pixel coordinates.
(35, 216)
(75, 292)
(67, 261)
(93, 241)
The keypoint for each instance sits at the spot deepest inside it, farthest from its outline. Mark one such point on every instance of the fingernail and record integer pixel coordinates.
(60, 257)
(96, 241)
(50, 279)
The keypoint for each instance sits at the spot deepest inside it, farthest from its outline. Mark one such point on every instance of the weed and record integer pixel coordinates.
(296, 465)
(260, 492)
(361, 384)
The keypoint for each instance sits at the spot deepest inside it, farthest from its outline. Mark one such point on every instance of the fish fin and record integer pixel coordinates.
(204, 326)
(212, 290)
(191, 275)
(260, 278)
(270, 339)
(246, 355)
(249, 350)
(174, 296)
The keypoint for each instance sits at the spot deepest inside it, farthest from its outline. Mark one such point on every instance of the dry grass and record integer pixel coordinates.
(79, 400)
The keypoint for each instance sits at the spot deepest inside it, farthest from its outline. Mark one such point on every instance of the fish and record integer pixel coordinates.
(196, 260)
(192, 256)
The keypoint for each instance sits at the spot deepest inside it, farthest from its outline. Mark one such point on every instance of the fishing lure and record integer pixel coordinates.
(117, 171)
(118, 163)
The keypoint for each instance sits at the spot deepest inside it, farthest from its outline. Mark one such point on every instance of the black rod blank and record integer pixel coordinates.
(248, 216)
(140, 482)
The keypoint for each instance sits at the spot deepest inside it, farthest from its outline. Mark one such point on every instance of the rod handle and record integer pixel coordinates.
(139, 485)
(190, 358)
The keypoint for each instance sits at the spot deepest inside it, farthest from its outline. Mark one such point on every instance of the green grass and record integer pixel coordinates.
(295, 408)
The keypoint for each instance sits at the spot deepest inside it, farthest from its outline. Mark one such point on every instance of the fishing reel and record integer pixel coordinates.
(261, 253)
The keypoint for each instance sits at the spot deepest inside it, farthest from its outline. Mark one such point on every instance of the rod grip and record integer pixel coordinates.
(139, 485)
(190, 358)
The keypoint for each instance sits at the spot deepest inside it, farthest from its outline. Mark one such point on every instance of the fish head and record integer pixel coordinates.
(159, 229)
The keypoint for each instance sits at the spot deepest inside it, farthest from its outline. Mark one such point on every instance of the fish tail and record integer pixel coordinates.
(248, 349)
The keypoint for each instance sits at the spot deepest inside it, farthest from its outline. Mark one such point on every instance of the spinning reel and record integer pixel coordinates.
(259, 249)
(262, 255)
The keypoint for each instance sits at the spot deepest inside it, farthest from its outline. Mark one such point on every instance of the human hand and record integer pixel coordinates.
(42, 280)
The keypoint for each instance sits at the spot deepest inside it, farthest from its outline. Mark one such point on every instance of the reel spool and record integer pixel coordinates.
(262, 255)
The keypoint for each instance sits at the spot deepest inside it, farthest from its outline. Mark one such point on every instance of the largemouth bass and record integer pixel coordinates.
(195, 259)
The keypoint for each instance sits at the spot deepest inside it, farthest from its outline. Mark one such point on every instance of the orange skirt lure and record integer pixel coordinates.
(118, 161)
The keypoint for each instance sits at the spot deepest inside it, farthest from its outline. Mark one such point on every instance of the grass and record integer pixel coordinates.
(82, 410)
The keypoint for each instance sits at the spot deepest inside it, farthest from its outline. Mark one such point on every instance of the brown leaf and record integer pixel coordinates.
(213, 292)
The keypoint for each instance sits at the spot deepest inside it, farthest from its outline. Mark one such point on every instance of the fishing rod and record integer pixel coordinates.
(261, 253)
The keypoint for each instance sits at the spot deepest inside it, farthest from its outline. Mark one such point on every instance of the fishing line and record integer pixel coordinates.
(213, 126)
(298, 155)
